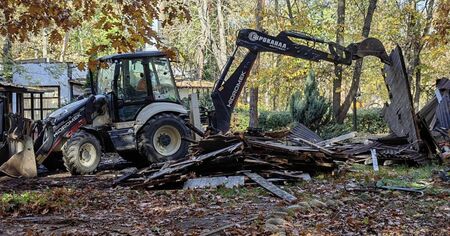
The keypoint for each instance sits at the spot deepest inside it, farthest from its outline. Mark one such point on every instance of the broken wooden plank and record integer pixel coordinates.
(125, 177)
(280, 146)
(213, 182)
(338, 139)
(271, 187)
(324, 150)
(228, 149)
(303, 176)
(175, 167)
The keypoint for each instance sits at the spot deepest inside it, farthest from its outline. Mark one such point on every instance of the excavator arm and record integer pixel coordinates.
(227, 89)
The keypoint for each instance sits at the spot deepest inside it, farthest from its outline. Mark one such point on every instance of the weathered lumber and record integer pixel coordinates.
(304, 176)
(337, 139)
(271, 187)
(176, 167)
(280, 146)
(207, 182)
(322, 149)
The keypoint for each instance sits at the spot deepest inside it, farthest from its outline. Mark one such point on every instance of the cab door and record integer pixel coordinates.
(132, 88)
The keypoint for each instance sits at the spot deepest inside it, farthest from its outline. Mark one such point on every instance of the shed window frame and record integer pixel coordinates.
(37, 110)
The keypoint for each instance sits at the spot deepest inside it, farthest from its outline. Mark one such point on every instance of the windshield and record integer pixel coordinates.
(105, 77)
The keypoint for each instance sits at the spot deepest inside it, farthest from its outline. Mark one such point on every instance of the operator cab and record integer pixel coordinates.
(134, 80)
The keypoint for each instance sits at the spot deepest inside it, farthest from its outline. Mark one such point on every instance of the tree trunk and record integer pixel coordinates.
(343, 110)
(421, 45)
(7, 59)
(202, 11)
(417, 86)
(291, 16)
(222, 36)
(337, 82)
(254, 89)
(64, 47)
(45, 45)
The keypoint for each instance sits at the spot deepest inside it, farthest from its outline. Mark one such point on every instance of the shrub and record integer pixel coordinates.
(310, 108)
(269, 120)
(239, 120)
(369, 121)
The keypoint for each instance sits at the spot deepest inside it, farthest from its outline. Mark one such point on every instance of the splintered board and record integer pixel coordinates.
(271, 187)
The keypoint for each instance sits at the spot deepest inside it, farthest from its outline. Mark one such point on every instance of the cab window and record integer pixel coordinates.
(105, 77)
(163, 85)
(131, 83)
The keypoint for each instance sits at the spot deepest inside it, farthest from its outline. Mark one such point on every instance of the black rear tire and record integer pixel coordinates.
(158, 125)
(82, 153)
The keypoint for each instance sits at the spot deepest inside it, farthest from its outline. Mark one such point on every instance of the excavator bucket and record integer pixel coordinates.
(370, 47)
(20, 147)
(23, 162)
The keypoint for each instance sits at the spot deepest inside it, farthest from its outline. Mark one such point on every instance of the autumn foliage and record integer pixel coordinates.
(127, 24)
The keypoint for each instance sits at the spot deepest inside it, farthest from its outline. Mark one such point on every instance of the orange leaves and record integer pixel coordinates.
(81, 66)
(55, 37)
(92, 65)
(124, 25)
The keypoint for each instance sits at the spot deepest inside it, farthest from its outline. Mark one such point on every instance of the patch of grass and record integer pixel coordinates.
(12, 201)
(245, 192)
(401, 176)
(34, 201)
(396, 174)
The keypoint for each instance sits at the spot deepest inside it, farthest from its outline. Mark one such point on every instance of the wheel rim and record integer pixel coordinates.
(167, 140)
(88, 154)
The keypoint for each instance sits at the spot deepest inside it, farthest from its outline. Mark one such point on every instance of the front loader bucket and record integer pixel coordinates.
(23, 162)
(370, 47)
(19, 147)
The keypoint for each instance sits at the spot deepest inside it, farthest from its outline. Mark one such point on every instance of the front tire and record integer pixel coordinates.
(81, 153)
(161, 139)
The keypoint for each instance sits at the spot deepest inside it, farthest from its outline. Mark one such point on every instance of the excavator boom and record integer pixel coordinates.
(227, 89)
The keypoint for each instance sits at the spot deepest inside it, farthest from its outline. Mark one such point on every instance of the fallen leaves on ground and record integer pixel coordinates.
(88, 205)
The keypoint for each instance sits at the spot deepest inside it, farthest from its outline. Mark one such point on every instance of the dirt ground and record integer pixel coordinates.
(61, 204)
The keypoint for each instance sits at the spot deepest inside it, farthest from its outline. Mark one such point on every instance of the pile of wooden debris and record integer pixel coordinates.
(267, 158)
(229, 160)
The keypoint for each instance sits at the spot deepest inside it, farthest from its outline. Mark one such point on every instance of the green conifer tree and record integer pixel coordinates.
(310, 108)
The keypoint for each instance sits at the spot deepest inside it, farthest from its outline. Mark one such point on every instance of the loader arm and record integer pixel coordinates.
(226, 91)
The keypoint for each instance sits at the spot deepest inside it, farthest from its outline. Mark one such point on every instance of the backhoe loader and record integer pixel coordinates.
(135, 108)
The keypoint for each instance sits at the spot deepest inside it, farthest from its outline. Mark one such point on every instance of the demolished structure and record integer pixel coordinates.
(277, 158)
